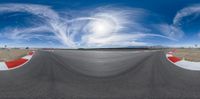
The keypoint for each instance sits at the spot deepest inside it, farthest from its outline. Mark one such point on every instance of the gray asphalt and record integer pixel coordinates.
(74, 74)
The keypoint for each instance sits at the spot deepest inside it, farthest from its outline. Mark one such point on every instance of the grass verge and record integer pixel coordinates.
(12, 54)
(188, 54)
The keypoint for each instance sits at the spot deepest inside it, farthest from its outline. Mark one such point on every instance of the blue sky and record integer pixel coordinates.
(99, 23)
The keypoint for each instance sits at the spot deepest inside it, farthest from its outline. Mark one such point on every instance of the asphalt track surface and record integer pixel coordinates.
(74, 74)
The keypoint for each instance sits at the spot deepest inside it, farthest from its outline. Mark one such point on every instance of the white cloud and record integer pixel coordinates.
(111, 26)
(51, 18)
(187, 11)
(27, 33)
(170, 31)
(42, 11)
(104, 26)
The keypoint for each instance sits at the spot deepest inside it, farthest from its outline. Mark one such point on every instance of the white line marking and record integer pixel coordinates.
(27, 57)
(3, 66)
(188, 65)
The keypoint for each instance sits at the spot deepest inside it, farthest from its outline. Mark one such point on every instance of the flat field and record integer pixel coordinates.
(12, 54)
(190, 54)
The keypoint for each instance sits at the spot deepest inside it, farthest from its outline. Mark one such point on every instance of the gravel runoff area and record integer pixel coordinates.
(12, 54)
(190, 54)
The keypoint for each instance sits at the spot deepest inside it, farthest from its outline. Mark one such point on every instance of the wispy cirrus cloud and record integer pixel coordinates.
(187, 11)
(51, 18)
(108, 26)
(193, 10)
(27, 33)
(170, 31)
(103, 26)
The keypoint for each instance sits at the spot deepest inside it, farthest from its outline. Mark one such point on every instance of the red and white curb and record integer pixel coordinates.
(183, 63)
(16, 63)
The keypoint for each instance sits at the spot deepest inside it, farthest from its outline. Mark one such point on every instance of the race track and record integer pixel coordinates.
(95, 74)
